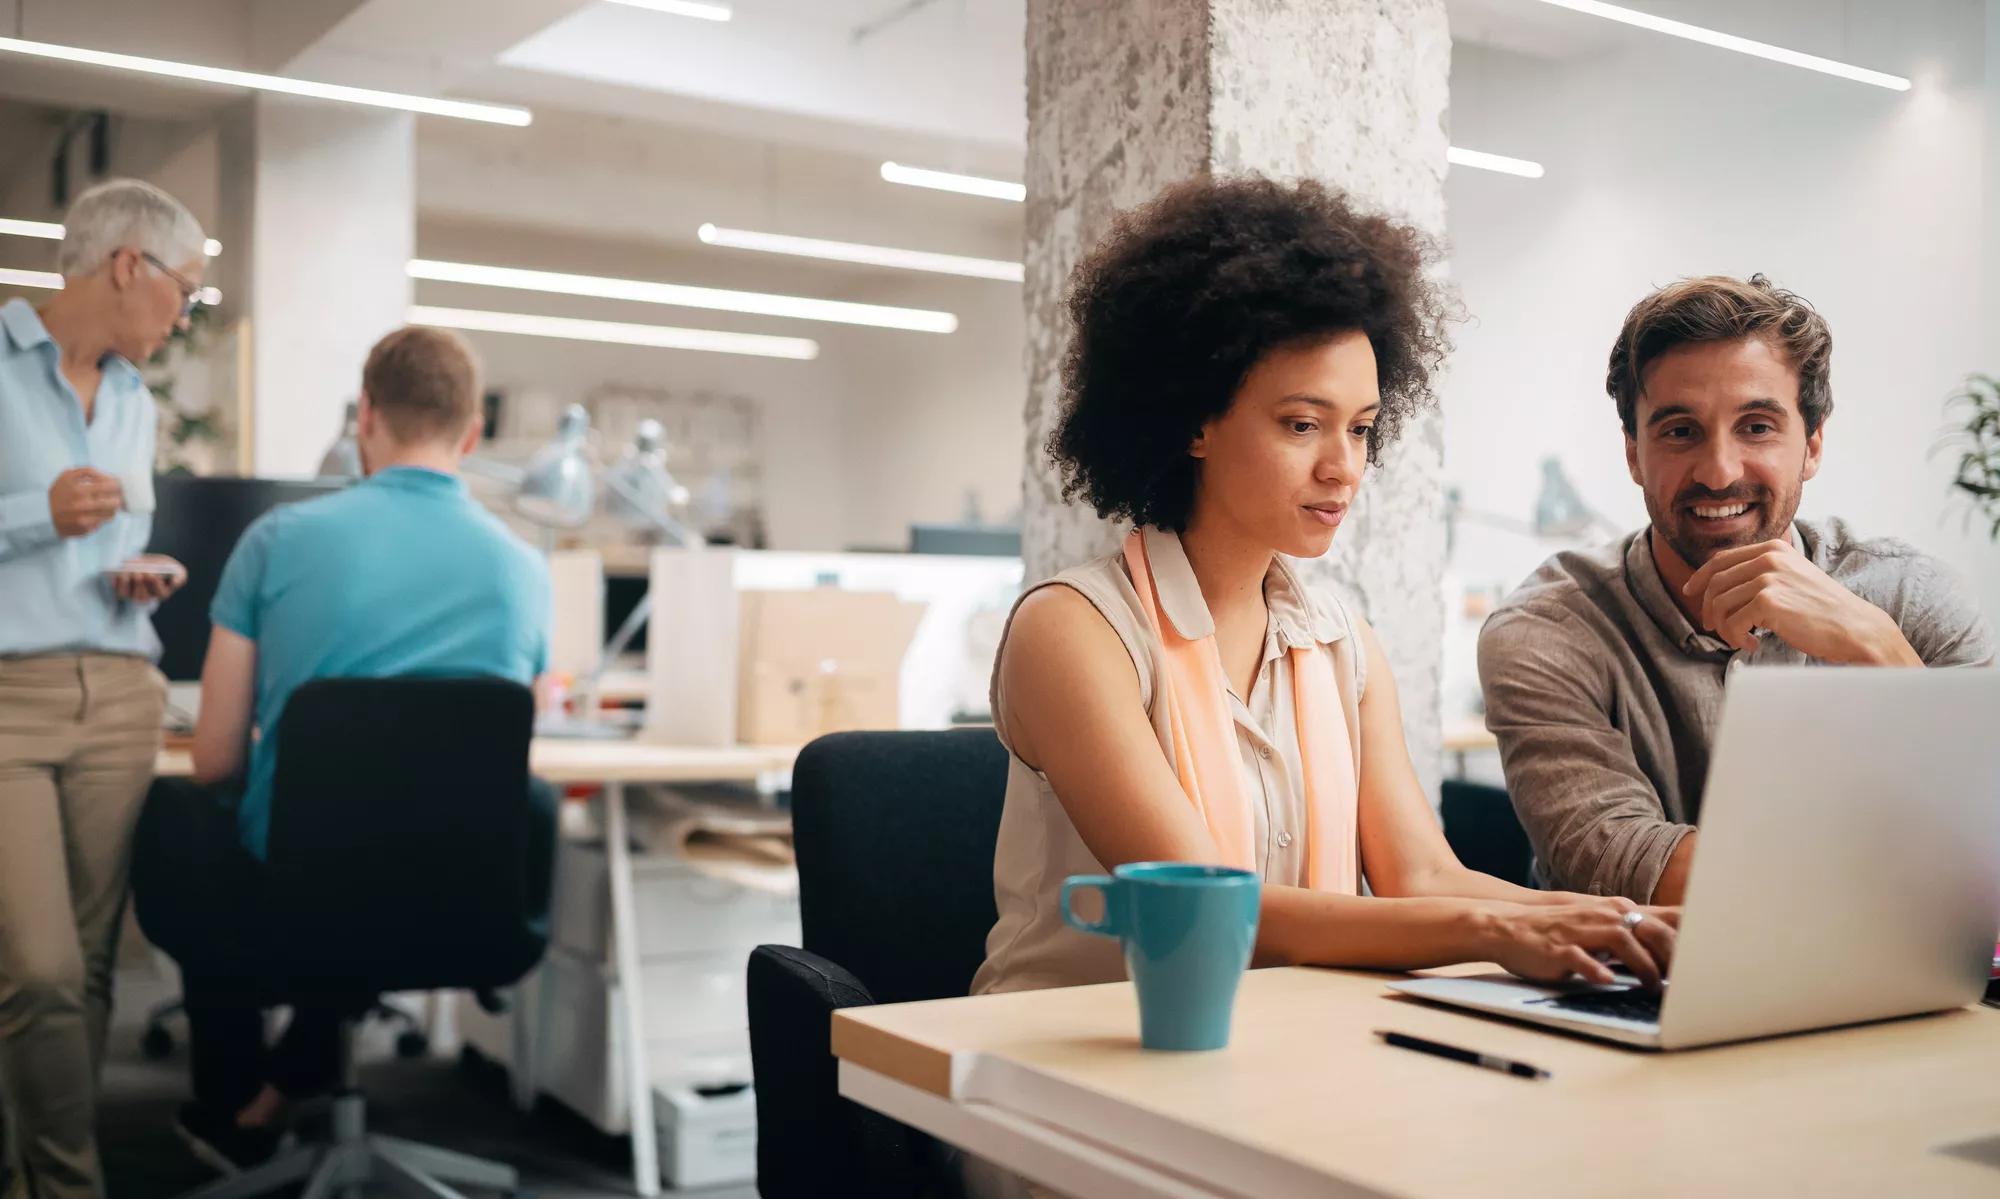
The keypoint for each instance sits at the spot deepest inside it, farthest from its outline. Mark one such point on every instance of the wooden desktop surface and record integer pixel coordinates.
(564, 760)
(1306, 1091)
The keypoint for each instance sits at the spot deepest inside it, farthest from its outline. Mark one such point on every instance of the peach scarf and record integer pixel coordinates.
(1194, 699)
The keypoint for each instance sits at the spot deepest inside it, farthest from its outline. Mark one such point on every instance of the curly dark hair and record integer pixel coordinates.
(1187, 293)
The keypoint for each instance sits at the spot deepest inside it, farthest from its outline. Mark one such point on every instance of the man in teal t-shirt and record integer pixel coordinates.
(403, 574)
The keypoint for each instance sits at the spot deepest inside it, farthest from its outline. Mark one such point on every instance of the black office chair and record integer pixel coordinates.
(403, 856)
(895, 835)
(1484, 832)
(156, 1043)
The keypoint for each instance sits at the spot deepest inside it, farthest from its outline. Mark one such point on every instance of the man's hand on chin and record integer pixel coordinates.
(1772, 586)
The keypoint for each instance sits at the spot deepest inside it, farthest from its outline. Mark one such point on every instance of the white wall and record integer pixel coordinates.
(940, 417)
(1668, 159)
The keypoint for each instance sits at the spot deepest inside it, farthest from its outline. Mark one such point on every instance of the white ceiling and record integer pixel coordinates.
(948, 70)
(939, 80)
(934, 82)
(951, 70)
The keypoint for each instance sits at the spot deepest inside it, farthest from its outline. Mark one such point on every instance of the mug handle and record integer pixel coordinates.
(1103, 884)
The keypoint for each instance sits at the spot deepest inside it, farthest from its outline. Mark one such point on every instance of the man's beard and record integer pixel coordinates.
(1695, 545)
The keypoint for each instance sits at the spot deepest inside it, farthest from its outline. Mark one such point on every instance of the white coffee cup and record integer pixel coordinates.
(138, 488)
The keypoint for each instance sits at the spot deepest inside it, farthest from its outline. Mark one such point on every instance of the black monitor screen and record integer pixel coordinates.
(197, 521)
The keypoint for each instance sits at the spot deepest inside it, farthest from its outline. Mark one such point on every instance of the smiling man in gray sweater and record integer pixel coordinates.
(1604, 672)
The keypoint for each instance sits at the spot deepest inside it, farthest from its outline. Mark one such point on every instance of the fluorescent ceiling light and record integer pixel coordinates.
(664, 336)
(46, 229)
(1728, 41)
(1459, 156)
(682, 8)
(498, 114)
(54, 232)
(971, 185)
(9, 277)
(681, 295)
(866, 255)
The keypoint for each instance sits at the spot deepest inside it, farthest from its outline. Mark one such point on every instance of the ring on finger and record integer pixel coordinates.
(1634, 918)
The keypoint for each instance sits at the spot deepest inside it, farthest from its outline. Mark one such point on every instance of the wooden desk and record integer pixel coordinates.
(1306, 1101)
(567, 760)
(613, 764)
(1468, 737)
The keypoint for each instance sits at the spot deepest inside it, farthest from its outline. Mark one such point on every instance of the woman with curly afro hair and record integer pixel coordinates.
(1243, 350)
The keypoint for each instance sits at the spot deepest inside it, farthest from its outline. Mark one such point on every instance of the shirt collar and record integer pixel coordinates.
(416, 478)
(1649, 586)
(24, 326)
(18, 317)
(1298, 618)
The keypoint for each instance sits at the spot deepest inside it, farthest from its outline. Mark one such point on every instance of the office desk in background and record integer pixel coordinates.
(614, 765)
(1307, 1102)
(1468, 736)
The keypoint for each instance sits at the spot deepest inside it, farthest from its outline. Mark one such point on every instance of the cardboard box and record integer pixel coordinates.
(820, 661)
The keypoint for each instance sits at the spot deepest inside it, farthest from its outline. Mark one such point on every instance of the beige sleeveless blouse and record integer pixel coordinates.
(1029, 946)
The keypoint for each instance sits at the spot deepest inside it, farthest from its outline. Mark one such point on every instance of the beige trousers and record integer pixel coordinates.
(78, 734)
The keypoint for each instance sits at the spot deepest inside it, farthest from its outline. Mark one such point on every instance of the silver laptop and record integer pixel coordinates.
(1849, 867)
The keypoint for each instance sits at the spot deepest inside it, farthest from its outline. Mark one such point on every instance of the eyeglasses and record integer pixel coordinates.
(190, 294)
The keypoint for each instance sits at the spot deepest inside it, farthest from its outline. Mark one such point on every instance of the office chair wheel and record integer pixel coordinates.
(412, 1044)
(157, 1043)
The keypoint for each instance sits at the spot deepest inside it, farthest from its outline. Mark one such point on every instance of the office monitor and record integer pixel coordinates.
(198, 520)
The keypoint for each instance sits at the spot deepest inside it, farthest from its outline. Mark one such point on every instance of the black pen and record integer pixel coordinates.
(1403, 1040)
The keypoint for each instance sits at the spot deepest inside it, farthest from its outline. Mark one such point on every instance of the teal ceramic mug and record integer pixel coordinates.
(1187, 931)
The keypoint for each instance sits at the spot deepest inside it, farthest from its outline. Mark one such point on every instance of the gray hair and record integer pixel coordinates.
(126, 212)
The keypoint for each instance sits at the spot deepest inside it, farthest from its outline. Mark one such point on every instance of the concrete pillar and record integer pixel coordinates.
(318, 223)
(1128, 96)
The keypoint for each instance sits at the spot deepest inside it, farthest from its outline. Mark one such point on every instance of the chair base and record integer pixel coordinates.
(356, 1162)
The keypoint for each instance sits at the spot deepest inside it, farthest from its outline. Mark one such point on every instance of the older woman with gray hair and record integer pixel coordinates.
(80, 699)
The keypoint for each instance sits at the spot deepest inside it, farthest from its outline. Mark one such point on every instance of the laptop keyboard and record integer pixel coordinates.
(1635, 1004)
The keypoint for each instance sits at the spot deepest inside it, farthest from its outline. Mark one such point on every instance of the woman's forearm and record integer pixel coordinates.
(1301, 927)
(1447, 879)
(1458, 882)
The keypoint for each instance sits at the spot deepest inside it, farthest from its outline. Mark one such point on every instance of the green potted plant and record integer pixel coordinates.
(1975, 434)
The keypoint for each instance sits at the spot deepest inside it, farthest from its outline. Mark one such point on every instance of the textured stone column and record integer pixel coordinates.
(1128, 96)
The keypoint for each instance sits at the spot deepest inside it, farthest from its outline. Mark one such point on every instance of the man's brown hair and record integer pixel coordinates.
(424, 382)
(1719, 308)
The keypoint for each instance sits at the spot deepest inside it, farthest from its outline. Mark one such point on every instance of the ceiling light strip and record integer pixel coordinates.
(682, 8)
(1729, 41)
(497, 114)
(971, 185)
(682, 295)
(1460, 156)
(12, 277)
(659, 336)
(50, 231)
(861, 253)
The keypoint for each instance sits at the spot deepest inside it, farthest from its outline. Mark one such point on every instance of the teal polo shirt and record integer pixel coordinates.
(402, 574)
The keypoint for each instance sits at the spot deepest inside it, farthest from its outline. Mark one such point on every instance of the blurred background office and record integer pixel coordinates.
(784, 264)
